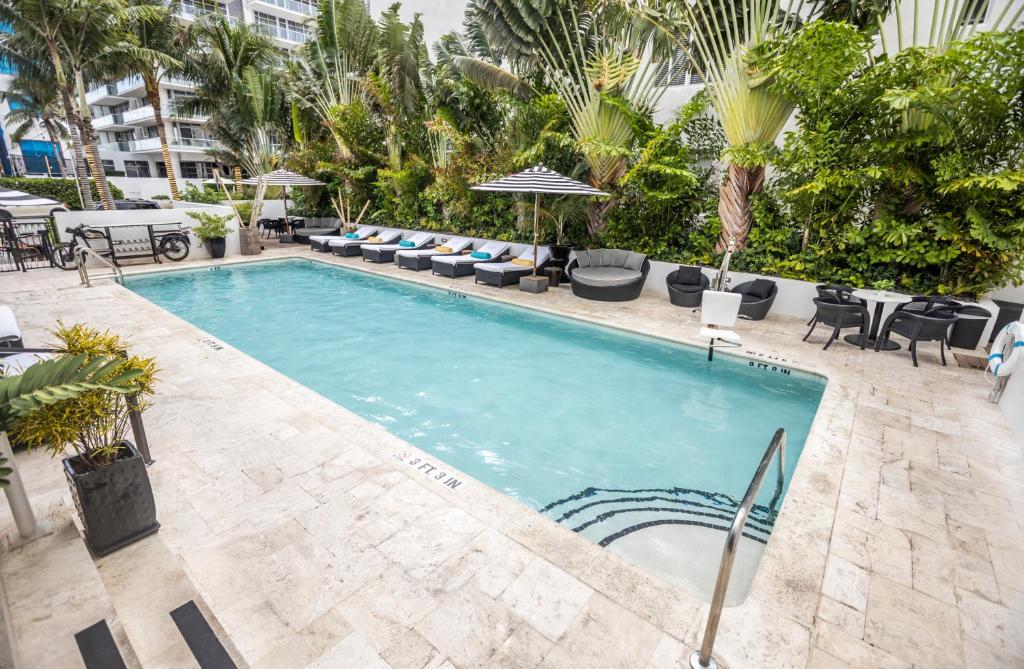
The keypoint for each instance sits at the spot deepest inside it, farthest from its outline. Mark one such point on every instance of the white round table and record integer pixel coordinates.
(880, 298)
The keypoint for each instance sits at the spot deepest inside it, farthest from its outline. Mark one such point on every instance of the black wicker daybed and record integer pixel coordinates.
(608, 275)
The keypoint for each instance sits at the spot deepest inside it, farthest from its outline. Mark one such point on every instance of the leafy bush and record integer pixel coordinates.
(201, 196)
(61, 190)
(210, 226)
(95, 422)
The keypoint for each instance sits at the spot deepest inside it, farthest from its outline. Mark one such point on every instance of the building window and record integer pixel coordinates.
(161, 169)
(137, 168)
(196, 170)
(281, 28)
(108, 167)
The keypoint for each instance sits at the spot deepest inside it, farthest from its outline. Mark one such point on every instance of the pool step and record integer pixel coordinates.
(607, 515)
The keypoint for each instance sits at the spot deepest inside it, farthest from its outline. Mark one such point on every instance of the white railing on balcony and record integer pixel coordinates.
(192, 12)
(169, 110)
(107, 121)
(114, 89)
(304, 8)
(149, 144)
(285, 33)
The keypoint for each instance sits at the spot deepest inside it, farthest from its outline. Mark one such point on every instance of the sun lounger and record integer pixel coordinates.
(10, 333)
(502, 274)
(386, 252)
(421, 259)
(354, 247)
(464, 265)
(323, 242)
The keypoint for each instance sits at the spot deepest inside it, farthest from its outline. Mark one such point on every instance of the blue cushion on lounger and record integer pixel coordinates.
(480, 255)
(351, 235)
(407, 243)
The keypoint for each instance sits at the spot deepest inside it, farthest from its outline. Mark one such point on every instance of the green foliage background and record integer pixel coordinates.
(61, 190)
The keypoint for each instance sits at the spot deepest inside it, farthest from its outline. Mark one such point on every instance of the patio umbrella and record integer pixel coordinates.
(538, 180)
(17, 198)
(284, 178)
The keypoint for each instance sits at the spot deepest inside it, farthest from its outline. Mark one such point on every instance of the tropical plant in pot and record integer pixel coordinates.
(212, 231)
(106, 473)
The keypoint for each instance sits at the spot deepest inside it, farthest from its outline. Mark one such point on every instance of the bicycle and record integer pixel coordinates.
(173, 245)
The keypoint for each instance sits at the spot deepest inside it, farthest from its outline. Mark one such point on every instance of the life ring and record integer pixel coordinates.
(1004, 366)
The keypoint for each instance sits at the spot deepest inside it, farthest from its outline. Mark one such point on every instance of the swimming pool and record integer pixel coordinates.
(638, 444)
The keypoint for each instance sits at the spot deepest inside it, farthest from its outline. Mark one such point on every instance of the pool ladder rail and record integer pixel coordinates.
(702, 659)
(82, 255)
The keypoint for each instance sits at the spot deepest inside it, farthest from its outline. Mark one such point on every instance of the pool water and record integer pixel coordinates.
(638, 444)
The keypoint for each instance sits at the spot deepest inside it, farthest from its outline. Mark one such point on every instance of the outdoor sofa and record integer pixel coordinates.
(420, 259)
(354, 247)
(608, 275)
(386, 252)
(503, 274)
(454, 266)
(313, 227)
(323, 242)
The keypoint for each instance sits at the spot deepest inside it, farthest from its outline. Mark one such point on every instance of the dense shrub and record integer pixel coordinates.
(61, 190)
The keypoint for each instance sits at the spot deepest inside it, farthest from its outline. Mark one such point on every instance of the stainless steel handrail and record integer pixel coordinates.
(701, 659)
(83, 253)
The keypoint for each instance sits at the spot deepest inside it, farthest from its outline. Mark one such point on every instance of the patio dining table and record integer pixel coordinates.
(880, 298)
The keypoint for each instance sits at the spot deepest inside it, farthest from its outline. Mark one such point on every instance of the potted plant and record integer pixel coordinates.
(562, 212)
(105, 472)
(211, 231)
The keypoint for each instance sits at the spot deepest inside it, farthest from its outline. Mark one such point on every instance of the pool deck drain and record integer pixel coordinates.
(310, 543)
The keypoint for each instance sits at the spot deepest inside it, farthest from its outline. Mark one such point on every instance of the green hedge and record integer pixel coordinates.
(62, 190)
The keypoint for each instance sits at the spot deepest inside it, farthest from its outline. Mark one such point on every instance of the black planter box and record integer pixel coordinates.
(114, 502)
(217, 246)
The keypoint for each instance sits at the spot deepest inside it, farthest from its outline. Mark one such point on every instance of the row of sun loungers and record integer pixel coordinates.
(455, 258)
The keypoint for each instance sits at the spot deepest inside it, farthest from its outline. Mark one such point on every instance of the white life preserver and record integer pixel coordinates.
(1004, 366)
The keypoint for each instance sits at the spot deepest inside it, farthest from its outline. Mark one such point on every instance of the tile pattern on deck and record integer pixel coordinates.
(898, 545)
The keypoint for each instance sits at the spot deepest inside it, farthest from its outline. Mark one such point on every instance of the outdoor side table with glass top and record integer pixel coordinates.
(880, 298)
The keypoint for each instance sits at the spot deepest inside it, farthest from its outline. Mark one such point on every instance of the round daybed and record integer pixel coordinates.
(608, 275)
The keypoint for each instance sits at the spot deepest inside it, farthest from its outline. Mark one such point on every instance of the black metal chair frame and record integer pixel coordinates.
(824, 308)
(926, 327)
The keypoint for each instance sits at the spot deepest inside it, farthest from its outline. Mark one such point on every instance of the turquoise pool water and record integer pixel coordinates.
(622, 438)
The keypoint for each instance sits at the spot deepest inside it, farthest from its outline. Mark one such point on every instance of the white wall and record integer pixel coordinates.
(126, 224)
(140, 187)
(1012, 404)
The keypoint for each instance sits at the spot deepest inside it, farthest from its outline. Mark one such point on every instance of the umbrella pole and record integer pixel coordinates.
(287, 225)
(536, 231)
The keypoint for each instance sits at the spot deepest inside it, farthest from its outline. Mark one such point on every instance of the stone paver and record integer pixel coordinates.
(899, 544)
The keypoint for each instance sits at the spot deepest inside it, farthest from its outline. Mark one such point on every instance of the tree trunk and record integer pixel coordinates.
(91, 152)
(153, 93)
(58, 150)
(74, 127)
(734, 204)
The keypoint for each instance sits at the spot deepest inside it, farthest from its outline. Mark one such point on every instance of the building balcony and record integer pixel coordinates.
(145, 116)
(289, 8)
(284, 34)
(109, 122)
(190, 13)
(152, 145)
(119, 91)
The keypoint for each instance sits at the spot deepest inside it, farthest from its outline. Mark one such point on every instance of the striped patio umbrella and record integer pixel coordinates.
(284, 178)
(17, 198)
(538, 180)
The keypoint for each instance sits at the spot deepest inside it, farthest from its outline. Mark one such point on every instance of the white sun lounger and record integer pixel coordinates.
(386, 252)
(418, 259)
(507, 273)
(341, 246)
(10, 333)
(323, 242)
(463, 265)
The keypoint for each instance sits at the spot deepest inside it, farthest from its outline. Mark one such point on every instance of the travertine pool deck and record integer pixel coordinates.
(307, 539)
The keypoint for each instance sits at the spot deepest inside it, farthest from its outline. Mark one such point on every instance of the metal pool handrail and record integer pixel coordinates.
(82, 254)
(701, 659)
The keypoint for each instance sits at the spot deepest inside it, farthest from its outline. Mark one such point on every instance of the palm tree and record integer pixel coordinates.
(37, 28)
(83, 42)
(164, 38)
(218, 55)
(32, 100)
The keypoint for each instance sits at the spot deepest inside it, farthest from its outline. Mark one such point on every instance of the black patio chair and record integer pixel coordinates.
(836, 293)
(686, 286)
(758, 296)
(840, 315)
(922, 319)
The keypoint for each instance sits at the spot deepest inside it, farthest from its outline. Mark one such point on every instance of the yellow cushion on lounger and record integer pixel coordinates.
(374, 239)
(444, 249)
(525, 262)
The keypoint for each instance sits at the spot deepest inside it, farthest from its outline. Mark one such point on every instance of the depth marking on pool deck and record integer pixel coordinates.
(430, 470)
(212, 343)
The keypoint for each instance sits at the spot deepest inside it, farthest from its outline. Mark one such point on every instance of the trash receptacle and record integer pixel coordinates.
(1008, 312)
(969, 327)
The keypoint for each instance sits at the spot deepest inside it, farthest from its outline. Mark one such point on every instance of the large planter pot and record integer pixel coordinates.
(216, 246)
(115, 502)
(250, 241)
